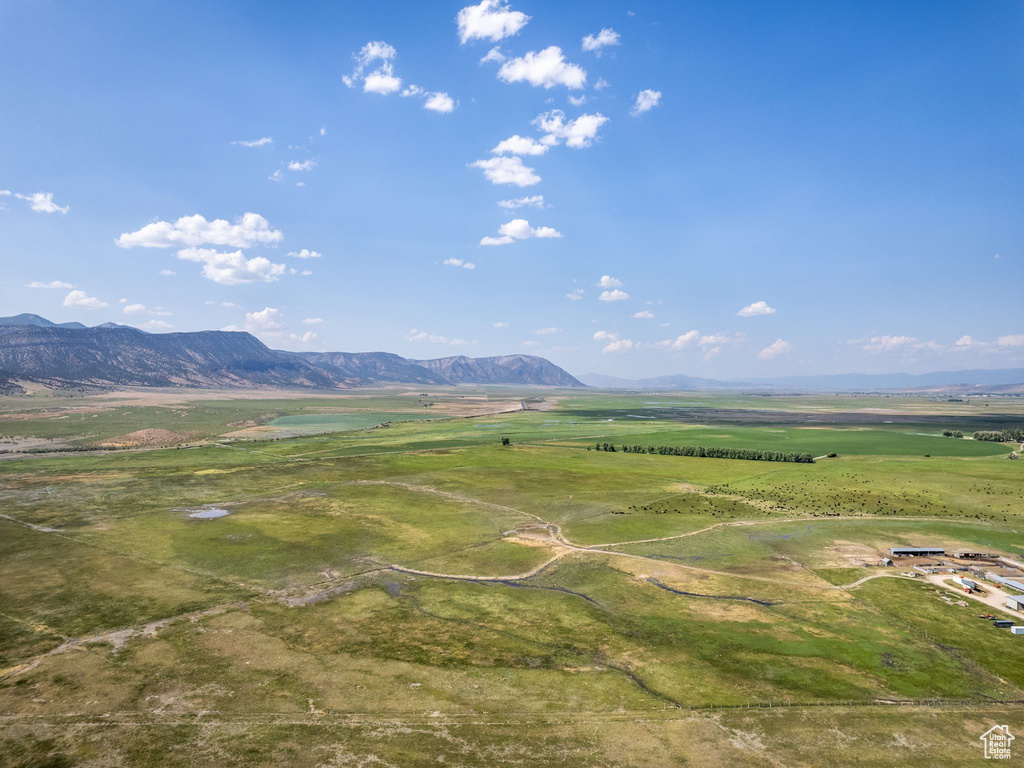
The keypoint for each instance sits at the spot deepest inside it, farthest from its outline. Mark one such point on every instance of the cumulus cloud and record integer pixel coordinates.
(255, 142)
(453, 262)
(603, 38)
(680, 342)
(435, 101)
(545, 69)
(142, 309)
(888, 343)
(601, 84)
(507, 170)
(313, 321)
(1011, 341)
(578, 133)
(643, 314)
(416, 335)
(756, 309)
(520, 145)
(305, 253)
(157, 325)
(773, 350)
(615, 342)
(615, 295)
(607, 281)
(167, 273)
(494, 54)
(575, 295)
(646, 100)
(82, 300)
(305, 165)
(489, 20)
(266, 318)
(42, 202)
(232, 268)
(382, 80)
(501, 324)
(519, 229)
(250, 229)
(533, 201)
(51, 284)
(547, 331)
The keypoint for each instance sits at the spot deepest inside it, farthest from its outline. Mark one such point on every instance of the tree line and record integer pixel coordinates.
(709, 452)
(1010, 435)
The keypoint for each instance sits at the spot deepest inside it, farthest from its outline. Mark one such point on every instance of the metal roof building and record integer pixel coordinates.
(915, 551)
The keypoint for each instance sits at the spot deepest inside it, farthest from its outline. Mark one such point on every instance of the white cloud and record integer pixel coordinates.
(773, 350)
(575, 295)
(82, 300)
(578, 133)
(382, 80)
(453, 262)
(51, 284)
(520, 145)
(306, 272)
(305, 253)
(600, 40)
(167, 273)
(756, 309)
(680, 342)
(416, 335)
(157, 325)
(519, 229)
(142, 309)
(534, 201)
(607, 281)
(266, 318)
(507, 170)
(232, 268)
(547, 331)
(440, 102)
(646, 100)
(494, 54)
(889, 343)
(42, 202)
(501, 324)
(601, 84)
(615, 342)
(530, 343)
(615, 295)
(578, 101)
(305, 165)
(489, 20)
(1011, 341)
(313, 321)
(643, 314)
(251, 229)
(546, 69)
(276, 176)
(255, 142)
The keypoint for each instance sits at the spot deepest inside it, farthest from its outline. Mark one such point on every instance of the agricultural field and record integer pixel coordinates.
(375, 579)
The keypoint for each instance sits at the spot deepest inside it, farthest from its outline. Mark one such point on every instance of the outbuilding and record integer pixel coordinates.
(1002, 623)
(1015, 601)
(1017, 630)
(915, 551)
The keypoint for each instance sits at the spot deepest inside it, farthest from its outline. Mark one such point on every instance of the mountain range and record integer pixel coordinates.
(33, 348)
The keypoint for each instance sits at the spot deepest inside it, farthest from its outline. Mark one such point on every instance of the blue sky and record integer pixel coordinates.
(847, 173)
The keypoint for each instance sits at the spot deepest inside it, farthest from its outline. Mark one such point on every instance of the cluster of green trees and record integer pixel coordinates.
(1011, 435)
(952, 433)
(710, 452)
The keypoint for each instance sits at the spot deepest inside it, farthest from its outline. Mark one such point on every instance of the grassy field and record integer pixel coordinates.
(418, 593)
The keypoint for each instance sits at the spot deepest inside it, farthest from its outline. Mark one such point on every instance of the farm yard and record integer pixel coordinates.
(385, 582)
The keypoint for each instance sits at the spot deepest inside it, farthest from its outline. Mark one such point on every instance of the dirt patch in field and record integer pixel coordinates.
(146, 438)
(848, 554)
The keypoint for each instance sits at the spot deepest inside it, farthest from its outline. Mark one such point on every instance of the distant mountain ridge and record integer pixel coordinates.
(1003, 377)
(32, 347)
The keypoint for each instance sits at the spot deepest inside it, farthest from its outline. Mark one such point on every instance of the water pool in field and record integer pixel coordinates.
(208, 513)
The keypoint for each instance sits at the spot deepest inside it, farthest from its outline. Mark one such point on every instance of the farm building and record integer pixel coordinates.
(915, 551)
(965, 582)
(1017, 630)
(1017, 603)
(1005, 581)
(971, 555)
(886, 561)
